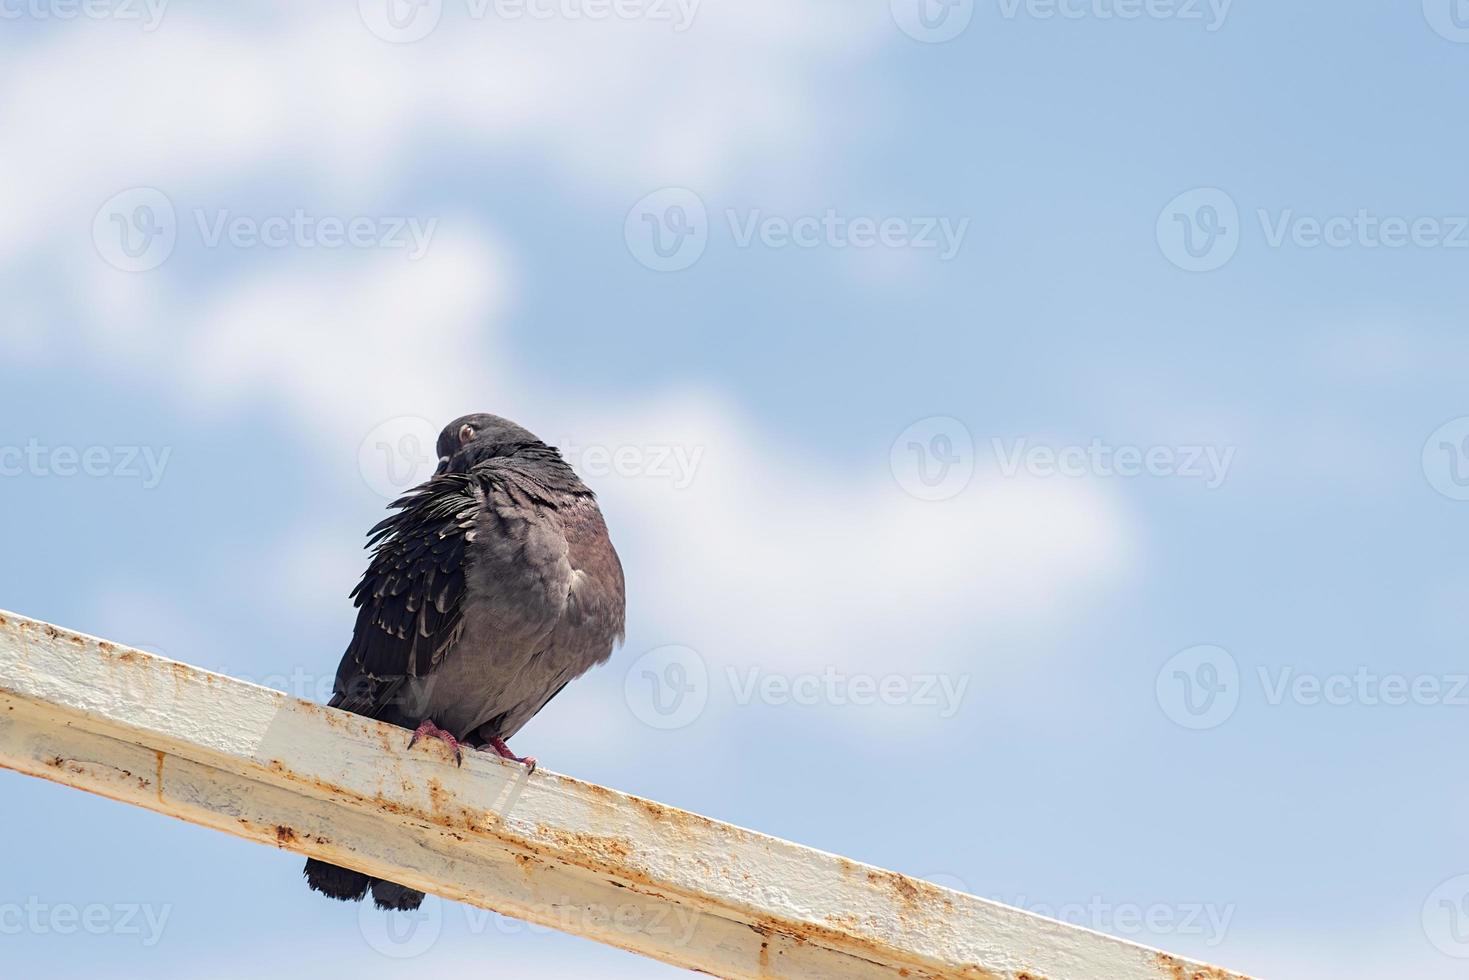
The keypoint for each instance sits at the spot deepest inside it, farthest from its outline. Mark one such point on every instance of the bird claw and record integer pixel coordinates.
(429, 730)
(497, 745)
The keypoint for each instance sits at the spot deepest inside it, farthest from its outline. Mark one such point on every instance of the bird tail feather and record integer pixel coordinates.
(335, 882)
(349, 886)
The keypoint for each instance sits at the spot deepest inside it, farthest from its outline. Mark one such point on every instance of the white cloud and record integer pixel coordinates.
(352, 346)
(752, 554)
(212, 100)
(767, 556)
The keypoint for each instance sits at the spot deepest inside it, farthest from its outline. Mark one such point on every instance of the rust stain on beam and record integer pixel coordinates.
(294, 775)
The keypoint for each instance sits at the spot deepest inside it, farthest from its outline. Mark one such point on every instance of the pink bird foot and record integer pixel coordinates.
(429, 730)
(497, 745)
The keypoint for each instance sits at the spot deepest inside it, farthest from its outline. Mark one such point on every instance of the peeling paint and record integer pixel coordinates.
(1177, 969)
(761, 902)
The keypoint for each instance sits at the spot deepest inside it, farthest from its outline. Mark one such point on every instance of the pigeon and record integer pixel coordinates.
(491, 587)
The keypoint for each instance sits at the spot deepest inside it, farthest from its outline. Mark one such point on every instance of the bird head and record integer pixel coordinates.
(472, 439)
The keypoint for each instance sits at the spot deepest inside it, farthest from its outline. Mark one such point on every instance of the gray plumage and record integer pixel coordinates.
(493, 586)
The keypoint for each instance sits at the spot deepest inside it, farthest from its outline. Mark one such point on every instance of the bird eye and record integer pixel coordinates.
(466, 433)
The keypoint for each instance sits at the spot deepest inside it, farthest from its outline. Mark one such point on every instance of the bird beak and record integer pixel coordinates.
(443, 466)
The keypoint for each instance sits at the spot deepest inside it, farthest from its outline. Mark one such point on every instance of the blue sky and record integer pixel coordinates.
(253, 259)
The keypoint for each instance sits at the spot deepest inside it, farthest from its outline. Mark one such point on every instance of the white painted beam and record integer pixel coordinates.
(545, 848)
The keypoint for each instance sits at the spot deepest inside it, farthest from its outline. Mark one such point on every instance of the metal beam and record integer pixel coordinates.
(552, 850)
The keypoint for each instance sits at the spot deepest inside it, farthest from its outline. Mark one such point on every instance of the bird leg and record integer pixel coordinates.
(429, 730)
(497, 745)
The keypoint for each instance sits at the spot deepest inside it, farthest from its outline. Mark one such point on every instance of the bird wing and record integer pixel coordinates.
(410, 600)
